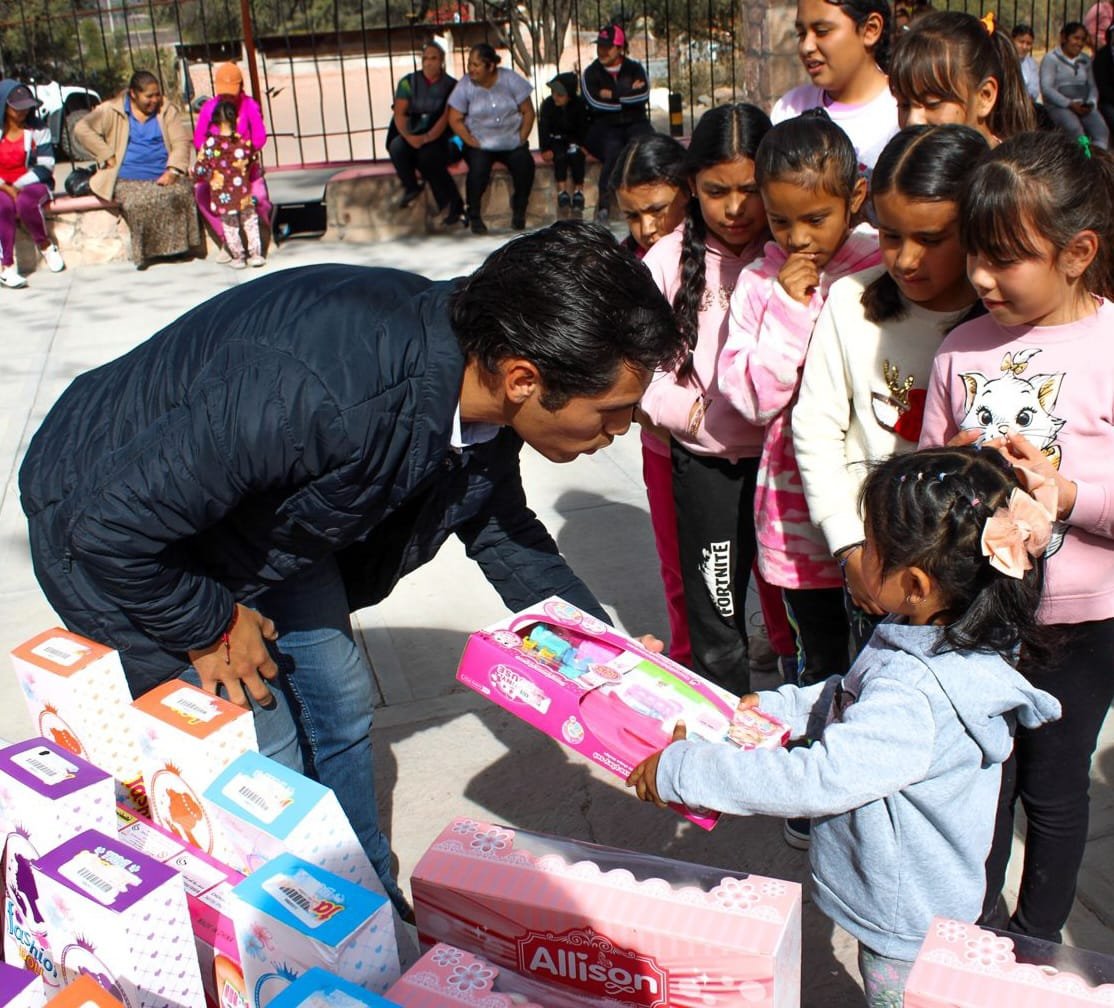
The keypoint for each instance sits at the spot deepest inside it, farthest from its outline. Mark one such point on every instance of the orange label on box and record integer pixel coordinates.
(188, 708)
(84, 992)
(60, 651)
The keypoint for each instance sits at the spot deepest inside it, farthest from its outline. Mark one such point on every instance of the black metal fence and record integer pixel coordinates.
(325, 70)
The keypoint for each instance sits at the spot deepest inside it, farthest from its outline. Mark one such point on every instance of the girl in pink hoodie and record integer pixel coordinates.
(811, 187)
(714, 450)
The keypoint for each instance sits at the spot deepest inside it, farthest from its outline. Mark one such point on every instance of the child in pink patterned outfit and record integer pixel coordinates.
(808, 173)
(225, 159)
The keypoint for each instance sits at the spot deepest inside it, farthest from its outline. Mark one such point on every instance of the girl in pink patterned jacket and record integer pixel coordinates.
(811, 187)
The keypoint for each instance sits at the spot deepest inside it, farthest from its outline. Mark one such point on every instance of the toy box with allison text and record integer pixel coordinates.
(963, 965)
(448, 977)
(602, 694)
(571, 924)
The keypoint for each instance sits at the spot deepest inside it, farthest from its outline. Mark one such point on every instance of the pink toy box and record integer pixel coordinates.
(291, 916)
(186, 739)
(448, 977)
(208, 885)
(47, 795)
(120, 917)
(583, 925)
(20, 988)
(84, 992)
(600, 693)
(317, 988)
(967, 966)
(76, 694)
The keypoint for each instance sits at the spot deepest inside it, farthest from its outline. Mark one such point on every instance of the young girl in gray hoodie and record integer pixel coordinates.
(902, 780)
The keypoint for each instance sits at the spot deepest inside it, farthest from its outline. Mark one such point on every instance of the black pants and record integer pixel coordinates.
(715, 536)
(432, 160)
(1050, 771)
(519, 162)
(823, 636)
(605, 140)
(564, 162)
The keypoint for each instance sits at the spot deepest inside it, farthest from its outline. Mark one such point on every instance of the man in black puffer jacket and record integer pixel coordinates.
(216, 502)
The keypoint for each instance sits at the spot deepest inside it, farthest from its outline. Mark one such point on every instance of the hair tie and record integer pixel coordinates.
(988, 22)
(1084, 141)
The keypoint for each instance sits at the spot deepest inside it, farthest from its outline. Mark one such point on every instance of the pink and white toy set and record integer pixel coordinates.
(580, 924)
(47, 795)
(121, 918)
(291, 916)
(600, 693)
(967, 966)
(20, 988)
(186, 738)
(208, 885)
(448, 977)
(76, 694)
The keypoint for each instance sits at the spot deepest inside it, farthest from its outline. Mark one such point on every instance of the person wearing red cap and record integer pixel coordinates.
(26, 179)
(617, 91)
(228, 82)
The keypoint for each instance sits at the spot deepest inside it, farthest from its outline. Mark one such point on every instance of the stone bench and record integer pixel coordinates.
(361, 203)
(87, 229)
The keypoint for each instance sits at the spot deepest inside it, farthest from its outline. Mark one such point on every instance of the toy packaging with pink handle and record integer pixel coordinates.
(966, 966)
(574, 924)
(600, 693)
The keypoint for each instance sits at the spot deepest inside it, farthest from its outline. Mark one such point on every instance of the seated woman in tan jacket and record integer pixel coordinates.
(142, 146)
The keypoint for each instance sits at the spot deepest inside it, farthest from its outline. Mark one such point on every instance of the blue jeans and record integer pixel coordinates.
(321, 718)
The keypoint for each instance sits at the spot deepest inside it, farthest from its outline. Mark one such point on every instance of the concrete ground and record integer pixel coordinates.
(441, 749)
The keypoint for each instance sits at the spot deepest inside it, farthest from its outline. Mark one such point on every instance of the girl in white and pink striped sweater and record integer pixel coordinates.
(811, 187)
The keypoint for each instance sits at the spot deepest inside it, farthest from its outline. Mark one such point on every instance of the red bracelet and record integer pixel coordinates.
(226, 637)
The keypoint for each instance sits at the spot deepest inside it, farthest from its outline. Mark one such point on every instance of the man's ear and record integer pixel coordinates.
(519, 379)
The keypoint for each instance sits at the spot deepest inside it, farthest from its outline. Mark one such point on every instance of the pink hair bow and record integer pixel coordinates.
(1021, 530)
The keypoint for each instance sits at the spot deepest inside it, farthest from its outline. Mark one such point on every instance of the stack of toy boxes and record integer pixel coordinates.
(317, 988)
(20, 988)
(448, 977)
(966, 966)
(47, 795)
(77, 695)
(208, 886)
(291, 916)
(84, 993)
(262, 809)
(575, 921)
(120, 917)
(187, 737)
(600, 693)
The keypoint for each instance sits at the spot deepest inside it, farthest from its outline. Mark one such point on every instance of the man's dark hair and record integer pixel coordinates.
(568, 299)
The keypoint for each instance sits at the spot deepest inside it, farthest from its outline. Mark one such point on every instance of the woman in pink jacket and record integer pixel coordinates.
(229, 84)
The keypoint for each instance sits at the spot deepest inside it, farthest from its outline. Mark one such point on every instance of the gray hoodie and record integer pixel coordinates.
(901, 784)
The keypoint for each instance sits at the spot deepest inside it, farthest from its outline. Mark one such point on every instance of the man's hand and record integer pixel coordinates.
(243, 663)
(644, 777)
(799, 277)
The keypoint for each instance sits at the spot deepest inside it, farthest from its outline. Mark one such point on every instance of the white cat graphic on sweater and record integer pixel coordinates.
(1012, 404)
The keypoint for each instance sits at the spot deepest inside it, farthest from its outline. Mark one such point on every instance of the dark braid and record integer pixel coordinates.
(725, 133)
(927, 509)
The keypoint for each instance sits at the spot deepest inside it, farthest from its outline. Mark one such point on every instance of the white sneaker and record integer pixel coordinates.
(223, 256)
(256, 260)
(238, 263)
(10, 277)
(53, 256)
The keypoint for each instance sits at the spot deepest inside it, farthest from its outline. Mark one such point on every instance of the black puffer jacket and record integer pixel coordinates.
(308, 413)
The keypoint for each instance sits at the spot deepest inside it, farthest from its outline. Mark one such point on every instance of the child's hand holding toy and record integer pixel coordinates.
(644, 777)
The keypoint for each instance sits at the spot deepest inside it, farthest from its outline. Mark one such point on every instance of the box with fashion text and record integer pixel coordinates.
(47, 795)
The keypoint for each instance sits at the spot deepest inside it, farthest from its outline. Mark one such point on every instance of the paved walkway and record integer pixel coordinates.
(441, 749)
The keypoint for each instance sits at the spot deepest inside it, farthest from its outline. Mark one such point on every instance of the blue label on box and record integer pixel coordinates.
(317, 903)
(318, 988)
(265, 793)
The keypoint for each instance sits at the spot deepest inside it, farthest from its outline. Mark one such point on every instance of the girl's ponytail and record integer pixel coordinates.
(686, 303)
